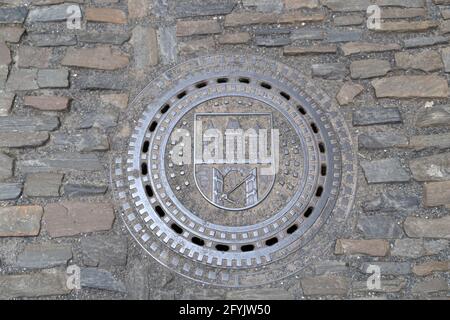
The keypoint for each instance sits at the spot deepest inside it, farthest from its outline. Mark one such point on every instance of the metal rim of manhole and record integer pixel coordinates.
(217, 219)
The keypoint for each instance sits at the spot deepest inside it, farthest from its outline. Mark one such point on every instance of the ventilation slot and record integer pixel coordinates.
(145, 146)
(314, 128)
(271, 241)
(319, 191)
(285, 95)
(323, 170)
(144, 168)
(308, 212)
(301, 110)
(321, 147)
(201, 85)
(149, 191)
(244, 80)
(160, 211)
(198, 241)
(181, 95)
(292, 229)
(153, 126)
(266, 85)
(176, 228)
(247, 248)
(222, 80)
(165, 109)
(222, 247)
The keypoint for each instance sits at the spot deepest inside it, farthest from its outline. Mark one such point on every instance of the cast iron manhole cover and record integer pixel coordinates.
(234, 166)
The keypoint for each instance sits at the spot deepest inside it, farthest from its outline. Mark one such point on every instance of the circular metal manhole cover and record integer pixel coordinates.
(234, 166)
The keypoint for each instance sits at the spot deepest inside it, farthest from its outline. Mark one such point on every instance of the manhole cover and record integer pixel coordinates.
(235, 164)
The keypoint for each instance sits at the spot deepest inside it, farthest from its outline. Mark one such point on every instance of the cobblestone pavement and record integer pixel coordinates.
(64, 91)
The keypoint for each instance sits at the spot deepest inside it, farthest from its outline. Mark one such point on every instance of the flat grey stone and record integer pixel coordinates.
(388, 268)
(104, 37)
(431, 285)
(329, 71)
(308, 34)
(22, 80)
(13, 15)
(427, 228)
(431, 168)
(347, 5)
(104, 251)
(91, 80)
(167, 41)
(20, 221)
(28, 124)
(416, 248)
(382, 140)
(6, 166)
(53, 40)
(392, 202)
(268, 31)
(43, 184)
(6, 102)
(99, 120)
(344, 36)
(54, 13)
(438, 141)
(376, 115)
(137, 281)
(274, 6)
(84, 142)
(435, 116)
(4, 71)
(100, 279)
(385, 171)
(23, 139)
(329, 266)
(82, 190)
(62, 162)
(40, 256)
(370, 68)
(259, 294)
(376, 227)
(387, 286)
(53, 78)
(10, 191)
(425, 41)
(351, 20)
(145, 44)
(196, 8)
(51, 282)
(272, 41)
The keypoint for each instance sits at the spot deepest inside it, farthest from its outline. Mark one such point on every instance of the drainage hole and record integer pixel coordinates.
(222, 247)
(244, 80)
(176, 228)
(160, 211)
(301, 110)
(198, 241)
(149, 190)
(266, 85)
(323, 170)
(165, 109)
(314, 128)
(308, 212)
(181, 95)
(145, 146)
(144, 168)
(285, 95)
(222, 80)
(271, 241)
(153, 126)
(321, 147)
(292, 229)
(201, 85)
(247, 248)
(319, 191)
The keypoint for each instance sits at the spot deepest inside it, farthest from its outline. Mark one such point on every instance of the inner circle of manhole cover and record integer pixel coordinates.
(239, 171)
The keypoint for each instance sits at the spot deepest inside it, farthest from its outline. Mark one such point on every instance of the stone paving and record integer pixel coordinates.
(63, 91)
